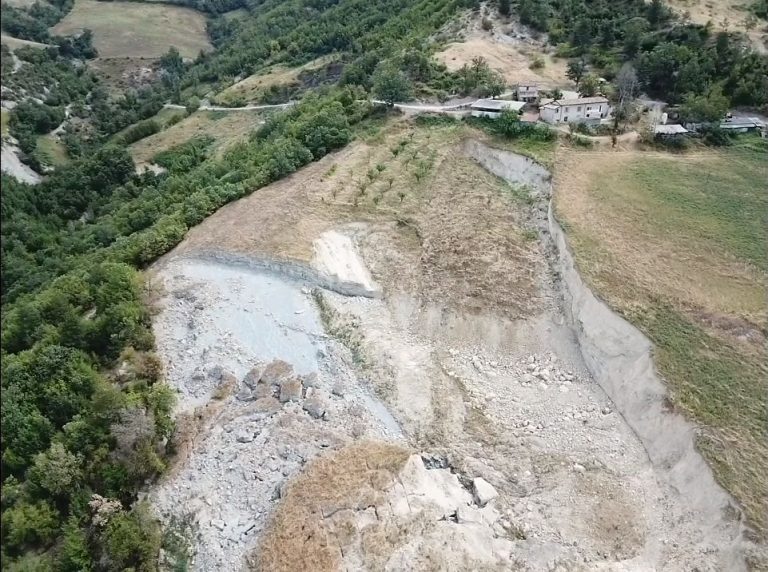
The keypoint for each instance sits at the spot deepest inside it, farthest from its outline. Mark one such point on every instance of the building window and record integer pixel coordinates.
(578, 108)
(589, 109)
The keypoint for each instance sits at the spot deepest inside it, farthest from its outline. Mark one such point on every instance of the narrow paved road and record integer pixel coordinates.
(453, 105)
(244, 108)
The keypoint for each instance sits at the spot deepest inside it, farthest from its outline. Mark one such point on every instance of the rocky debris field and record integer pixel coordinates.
(250, 421)
(329, 431)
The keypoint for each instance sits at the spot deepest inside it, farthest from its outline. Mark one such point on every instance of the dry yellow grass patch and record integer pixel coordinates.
(251, 87)
(15, 43)
(137, 29)
(303, 534)
(226, 127)
(730, 15)
(511, 61)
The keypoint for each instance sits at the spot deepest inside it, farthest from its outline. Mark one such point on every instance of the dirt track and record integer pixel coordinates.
(469, 349)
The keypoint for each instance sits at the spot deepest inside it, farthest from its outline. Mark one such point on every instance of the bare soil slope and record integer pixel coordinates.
(469, 350)
(509, 48)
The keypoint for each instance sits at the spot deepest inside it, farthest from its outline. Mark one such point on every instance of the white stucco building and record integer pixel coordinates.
(576, 110)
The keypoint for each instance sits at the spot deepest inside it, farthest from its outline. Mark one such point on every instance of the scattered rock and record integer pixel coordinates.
(290, 390)
(467, 514)
(276, 372)
(252, 377)
(309, 380)
(216, 373)
(338, 390)
(245, 394)
(315, 406)
(579, 468)
(227, 379)
(220, 524)
(266, 405)
(483, 491)
(263, 390)
(244, 436)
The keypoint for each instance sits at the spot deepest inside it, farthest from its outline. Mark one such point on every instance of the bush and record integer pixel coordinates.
(673, 143)
(537, 63)
(581, 141)
(714, 136)
(130, 538)
(427, 120)
(508, 125)
(139, 131)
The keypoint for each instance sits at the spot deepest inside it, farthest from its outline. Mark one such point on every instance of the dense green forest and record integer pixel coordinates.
(83, 409)
(673, 59)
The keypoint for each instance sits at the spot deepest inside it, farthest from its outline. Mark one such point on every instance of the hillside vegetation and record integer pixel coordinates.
(67, 331)
(84, 409)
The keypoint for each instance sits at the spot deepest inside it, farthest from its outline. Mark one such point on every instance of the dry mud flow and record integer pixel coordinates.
(349, 399)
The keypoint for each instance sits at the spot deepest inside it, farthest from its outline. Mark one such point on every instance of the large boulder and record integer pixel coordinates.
(252, 377)
(276, 372)
(316, 406)
(290, 390)
(483, 491)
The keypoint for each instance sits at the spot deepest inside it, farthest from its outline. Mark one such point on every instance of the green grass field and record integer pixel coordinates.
(134, 29)
(50, 151)
(5, 116)
(678, 244)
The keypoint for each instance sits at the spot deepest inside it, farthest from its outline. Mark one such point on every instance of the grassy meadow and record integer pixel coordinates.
(677, 244)
(226, 127)
(135, 29)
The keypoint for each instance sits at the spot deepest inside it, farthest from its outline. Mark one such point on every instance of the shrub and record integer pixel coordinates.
(509, 125)
(537, 63)
(714, 136)
(139, 131)
(428, 120)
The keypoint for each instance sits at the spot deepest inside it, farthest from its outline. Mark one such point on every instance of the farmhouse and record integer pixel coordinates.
(528, 93)
(494, 107)
(576, 110)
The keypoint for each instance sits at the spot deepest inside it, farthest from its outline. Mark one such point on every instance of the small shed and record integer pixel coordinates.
(494, 107)
(669, 131)
(742, 125)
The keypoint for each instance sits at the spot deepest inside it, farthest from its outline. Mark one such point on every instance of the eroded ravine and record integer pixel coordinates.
(513, 401)
(619, 357)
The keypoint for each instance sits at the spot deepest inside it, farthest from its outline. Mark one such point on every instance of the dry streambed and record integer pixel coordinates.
(397, 430)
